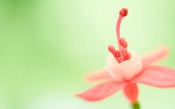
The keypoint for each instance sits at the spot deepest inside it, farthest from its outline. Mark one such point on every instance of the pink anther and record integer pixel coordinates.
(123, 42)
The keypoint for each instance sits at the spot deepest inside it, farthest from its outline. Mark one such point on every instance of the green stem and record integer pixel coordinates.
(136, 105)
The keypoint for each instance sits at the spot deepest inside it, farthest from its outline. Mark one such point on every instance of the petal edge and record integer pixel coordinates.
(158, 76)
(101, 91)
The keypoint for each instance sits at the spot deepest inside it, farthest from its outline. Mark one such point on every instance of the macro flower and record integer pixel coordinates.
(125, 69)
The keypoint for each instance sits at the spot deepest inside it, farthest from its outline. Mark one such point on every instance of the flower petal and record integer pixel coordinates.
(154, 56)
(134, 56)
(101, 74)
(101, 91)
(158, 76)
(125, 71)
(131, 92)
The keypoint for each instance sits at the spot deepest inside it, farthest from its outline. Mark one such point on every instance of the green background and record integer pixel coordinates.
(47, 46)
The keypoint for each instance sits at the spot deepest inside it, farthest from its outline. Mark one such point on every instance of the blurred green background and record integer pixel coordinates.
(47, 46)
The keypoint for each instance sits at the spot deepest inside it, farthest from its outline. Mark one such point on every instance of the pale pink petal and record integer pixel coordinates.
(111, 60)
(101, 91)
(154, 56)
(134, 56)
(131, 92)
(98, 75)
(158, 76)
(125, 71)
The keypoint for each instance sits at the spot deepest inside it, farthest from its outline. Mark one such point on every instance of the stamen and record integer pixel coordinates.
(123, 42)
(128, 56)
(119, 59)
(118, 54)
(115, 53)
(124, 52)
(111, 49)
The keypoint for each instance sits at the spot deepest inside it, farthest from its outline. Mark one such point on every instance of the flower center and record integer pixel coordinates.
(122, 54)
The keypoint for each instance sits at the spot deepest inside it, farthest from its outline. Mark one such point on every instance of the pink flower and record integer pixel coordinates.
(126, 69)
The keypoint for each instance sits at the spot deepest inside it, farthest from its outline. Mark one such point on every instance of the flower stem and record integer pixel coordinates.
(136, 105)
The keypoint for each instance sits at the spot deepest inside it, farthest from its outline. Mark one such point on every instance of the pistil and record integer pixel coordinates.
(123, 12)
